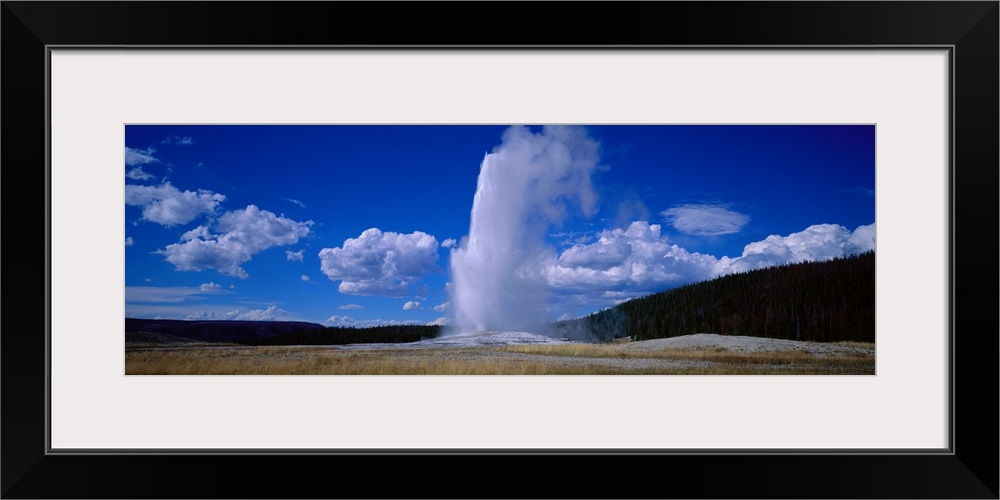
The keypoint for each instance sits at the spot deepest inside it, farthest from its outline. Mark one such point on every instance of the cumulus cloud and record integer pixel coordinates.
(610, 250)
(135, 157)
(290, 255)
(169, 206)
(138, 174)
(380, 263)
(705, 220)
(336, 320)
(816, 243)
(351, 306)
(449, 243)
(235, 239)
(410, 305)
(862, 240)
(340, 321)
(442, 321)
(636, 258)
(442, 307)
(210, 288)
(305, 278)
(349, 322)
(129, 241)
(270, 314)
(627, 263)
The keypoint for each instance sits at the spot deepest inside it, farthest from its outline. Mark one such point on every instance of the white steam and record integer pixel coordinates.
(527, 184)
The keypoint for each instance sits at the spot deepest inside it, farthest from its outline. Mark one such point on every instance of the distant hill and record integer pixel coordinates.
(217, 331)
(817, 301)
(150, 339)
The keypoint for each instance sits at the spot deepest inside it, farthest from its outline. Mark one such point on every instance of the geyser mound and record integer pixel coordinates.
(478, 339)
(492, 338)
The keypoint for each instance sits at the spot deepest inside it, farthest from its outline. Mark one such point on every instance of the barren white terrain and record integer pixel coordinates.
(696, 341)
(738, 343)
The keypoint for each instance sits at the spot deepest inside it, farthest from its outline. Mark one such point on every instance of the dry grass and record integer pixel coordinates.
(857, 344)
(560, 359)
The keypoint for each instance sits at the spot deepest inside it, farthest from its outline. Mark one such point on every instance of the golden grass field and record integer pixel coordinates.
(636, 358)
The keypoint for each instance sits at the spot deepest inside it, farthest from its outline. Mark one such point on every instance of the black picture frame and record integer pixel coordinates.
(968, 470)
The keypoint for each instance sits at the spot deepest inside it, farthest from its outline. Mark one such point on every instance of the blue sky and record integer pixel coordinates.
(356, 225)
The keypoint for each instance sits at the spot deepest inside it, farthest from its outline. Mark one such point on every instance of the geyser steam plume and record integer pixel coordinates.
(526, 185)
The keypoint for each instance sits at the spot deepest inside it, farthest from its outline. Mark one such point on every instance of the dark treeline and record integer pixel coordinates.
(815, 301)
(340, 336)
(216, 331)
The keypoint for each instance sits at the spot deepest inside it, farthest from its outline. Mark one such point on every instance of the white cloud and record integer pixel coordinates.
(168, 206)
(442, 321)
(351, 306)
(339, 321)
(816, 243)
(296, 202)
(184, 141)
(449, 243)
(138, 174)
(571, 238)
(635, 259)
(129, 241)
(410, 305)
(168, 294)
(347, 321)
(862, 239)
(135, 157)
(627, 263)
(380, 263)
(442, 307)
(270, 314)
(705, 220)
(198, 232)
(236, 238)
(290, 255)
(305, 278)
(610, 250)
(147, 280)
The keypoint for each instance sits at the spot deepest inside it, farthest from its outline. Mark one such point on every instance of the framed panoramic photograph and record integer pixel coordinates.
(376, 263)
(746, 250)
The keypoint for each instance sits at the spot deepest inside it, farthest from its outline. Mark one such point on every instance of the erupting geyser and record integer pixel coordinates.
(525, 185)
